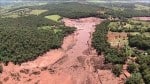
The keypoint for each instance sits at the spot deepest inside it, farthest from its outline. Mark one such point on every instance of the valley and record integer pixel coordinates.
(81, 42)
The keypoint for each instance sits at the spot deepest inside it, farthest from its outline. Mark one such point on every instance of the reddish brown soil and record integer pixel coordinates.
(142, 18)
(75, 63)
(117, 39)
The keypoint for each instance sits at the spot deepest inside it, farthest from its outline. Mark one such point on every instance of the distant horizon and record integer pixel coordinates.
(97, 1)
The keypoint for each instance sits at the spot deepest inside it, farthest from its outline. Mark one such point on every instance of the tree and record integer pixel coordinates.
(132, 67)
(135, 78)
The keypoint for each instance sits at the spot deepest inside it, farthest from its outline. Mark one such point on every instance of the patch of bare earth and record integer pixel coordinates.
(117, 39)
(75, 63)
(142, 18)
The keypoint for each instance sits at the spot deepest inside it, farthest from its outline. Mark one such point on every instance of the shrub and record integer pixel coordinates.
(117, 69)
(132, 68)
(136, 78)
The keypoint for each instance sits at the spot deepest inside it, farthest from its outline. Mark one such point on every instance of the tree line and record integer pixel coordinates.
(112, 55)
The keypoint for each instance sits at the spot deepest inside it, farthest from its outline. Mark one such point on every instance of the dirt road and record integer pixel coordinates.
(75, 63)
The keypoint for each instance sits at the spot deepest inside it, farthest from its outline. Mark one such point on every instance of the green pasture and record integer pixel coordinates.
(53, 17)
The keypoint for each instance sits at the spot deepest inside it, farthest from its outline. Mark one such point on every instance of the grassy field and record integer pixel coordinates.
(37, 12)
(53, 17)
(23, 12)
(141, 7)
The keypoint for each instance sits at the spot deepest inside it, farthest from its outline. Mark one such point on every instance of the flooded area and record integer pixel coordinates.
(75, 62)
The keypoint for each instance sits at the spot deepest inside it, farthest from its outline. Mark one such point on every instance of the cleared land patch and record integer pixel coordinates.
(117, 39)
(23, 12)
(53, 17)
(37, 12)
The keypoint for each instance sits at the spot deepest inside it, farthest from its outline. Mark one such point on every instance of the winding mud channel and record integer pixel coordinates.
(75, 62)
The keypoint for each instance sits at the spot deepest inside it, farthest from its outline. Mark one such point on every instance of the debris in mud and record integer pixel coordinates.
(96, 62)
(51, 71)
(43, 68)
(1, 82)
(29, 80)
(106, 66)
(75, 66)
(86, 52)
(6, 79)
(81, 60)
(61, 60)
(88, 81)
(16, 76)
(35, 72)
(37, 82)
(25, 71)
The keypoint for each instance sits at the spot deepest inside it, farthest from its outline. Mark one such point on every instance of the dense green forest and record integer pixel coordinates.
(78, 10)
(72, 10)
(141, 42)
(144, 69)
(24, 38)
(141, 47)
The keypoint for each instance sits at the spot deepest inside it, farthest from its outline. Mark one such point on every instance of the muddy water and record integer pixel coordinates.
(74, 63)
(85, 28)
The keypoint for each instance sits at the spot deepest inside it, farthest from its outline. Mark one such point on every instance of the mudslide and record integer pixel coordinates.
(76, 62)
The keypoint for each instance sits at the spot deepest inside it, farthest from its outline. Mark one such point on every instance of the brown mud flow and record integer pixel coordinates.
(142, 18)
(75, 63)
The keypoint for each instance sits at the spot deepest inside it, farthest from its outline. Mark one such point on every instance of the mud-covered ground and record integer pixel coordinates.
(75, 63)
(142, 18)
